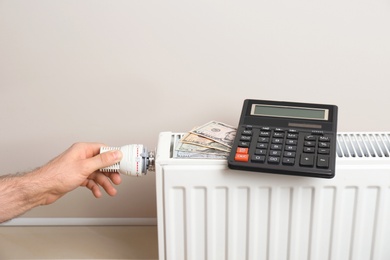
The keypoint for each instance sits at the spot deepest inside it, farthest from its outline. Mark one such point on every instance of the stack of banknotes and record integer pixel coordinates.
(212, 140)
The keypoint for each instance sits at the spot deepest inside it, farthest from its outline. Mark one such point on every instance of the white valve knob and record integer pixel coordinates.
(135, 161)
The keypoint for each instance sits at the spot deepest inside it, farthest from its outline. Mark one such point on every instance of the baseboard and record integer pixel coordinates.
(81, 222)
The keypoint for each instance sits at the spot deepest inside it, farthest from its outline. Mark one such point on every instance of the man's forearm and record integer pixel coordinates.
(18, 194)
(77, 166)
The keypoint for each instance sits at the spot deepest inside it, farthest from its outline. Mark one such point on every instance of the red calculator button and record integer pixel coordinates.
(241, 157)
(242, 150)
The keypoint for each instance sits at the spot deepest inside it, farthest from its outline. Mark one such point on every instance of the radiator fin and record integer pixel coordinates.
(363, 145)
(175, 138)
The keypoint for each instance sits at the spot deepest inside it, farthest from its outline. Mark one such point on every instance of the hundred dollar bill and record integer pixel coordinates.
(194, 139)
(217, 131)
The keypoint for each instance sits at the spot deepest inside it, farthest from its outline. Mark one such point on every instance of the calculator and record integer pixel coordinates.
(286, 138)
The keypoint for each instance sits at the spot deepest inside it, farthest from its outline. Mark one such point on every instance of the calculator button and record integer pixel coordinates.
(323, 145)
(245, 138)
(292, 131)
(278, 134)
(310, 138)
(277, 141)
(291, 142)
(290, 148)
(242, 150)
(288, 161)
(309, 143)
(258, 158)
(323, 151)
(247, 132)
(261, 152)
(265, 134)
(265, 128)
(289, 154)
(262, 145)
(309, 149)
(324, 139)
(307, 160)
(243, 144)
(279, 129)
(276, 147)
(263, 140)
(274, 160)
(275, 153)
(323, 161)
(241, 157)
(292, 136)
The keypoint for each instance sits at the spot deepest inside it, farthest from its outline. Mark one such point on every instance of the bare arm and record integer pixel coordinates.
(76, 167)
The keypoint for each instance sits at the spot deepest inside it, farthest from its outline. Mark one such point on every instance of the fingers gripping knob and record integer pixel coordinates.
(135, 161)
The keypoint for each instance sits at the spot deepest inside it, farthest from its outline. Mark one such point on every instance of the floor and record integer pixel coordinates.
(79, 242)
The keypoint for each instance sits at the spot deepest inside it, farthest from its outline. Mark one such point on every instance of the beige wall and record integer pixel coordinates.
(120, 72)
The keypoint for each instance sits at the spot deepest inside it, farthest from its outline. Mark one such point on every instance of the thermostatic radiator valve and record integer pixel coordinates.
(136, 160)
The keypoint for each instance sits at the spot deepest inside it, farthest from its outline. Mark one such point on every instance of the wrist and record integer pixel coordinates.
(34, 188)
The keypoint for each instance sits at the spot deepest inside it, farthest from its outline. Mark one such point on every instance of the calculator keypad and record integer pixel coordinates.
(287, 147)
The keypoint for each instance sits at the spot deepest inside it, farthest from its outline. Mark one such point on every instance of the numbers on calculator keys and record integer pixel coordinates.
(280, 146)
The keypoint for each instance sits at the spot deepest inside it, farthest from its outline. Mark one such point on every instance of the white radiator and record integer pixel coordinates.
(207, 211)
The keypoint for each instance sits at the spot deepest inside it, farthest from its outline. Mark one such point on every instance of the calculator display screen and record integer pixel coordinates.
(290, 112)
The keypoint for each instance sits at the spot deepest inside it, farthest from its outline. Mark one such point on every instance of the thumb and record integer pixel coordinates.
(103, 160)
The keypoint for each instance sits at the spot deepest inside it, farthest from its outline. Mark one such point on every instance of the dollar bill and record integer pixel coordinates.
(183, 147)
(193, 155)
(192, 151)
(217, 131)
(194, 139)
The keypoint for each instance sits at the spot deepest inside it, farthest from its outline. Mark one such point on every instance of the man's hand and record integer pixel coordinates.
(78, 166)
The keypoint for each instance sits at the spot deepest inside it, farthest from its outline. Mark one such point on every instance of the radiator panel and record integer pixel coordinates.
(206, 211)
